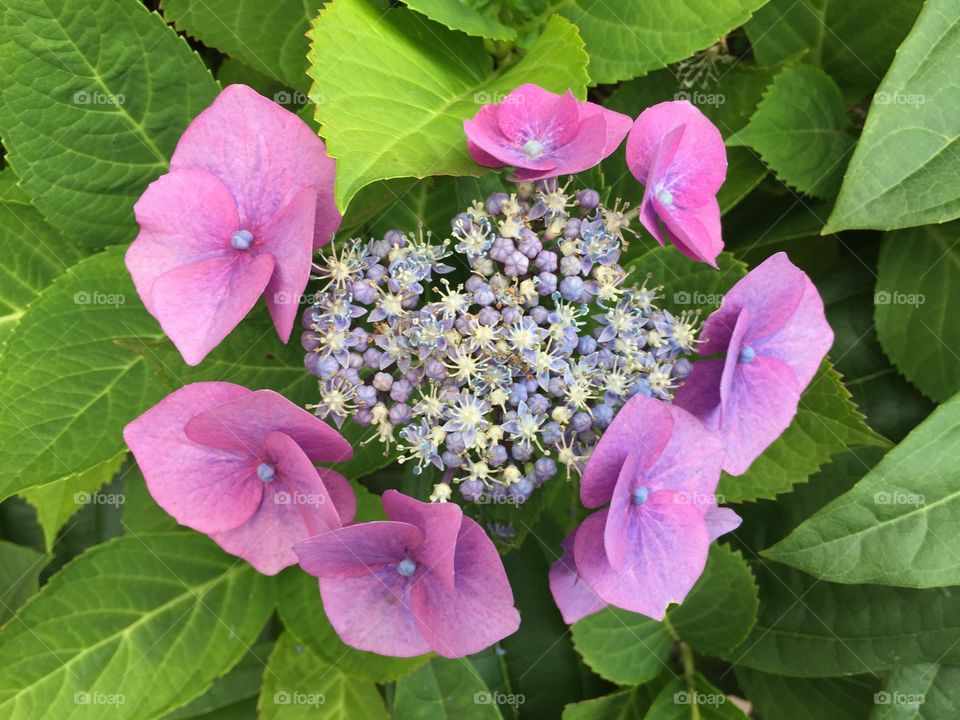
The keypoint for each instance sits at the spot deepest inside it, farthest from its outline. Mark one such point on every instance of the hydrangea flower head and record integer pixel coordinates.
(772, 328)
(656, 468)
(238, 465)
(247, 199)
(679, 156)
(427, 579)
(543, 134)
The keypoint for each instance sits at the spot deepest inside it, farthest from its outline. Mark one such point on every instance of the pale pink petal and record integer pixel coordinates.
(245, 424)
(197, 305)
(440, 524)
(643, 424)
(288, 238)
(475, 614)
(667, 552)
(184, 217)
(617, 125)
(615, 532)
(344, 498)
(356, 550)
(207, 489)
(532, 112)
(264, 154)
(484, 133)
(572, 595)
(294, 507)
(585, 150)
(720, 521)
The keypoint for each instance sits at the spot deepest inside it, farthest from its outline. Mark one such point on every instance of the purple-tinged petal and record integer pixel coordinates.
(357, 550)
(207, 489)
(288, 238)
(616, 531)
(572, 595)
(481, 157)
(478, 611)
(295, 506)
(695, 232)
(643, 424)
(617, 125)
(197, 305)
(440, 524)
(343, 496)
(666, 554)
(532, 112)
(244, 424)
(484, 133)
(720, 521)
(585, 150)
(264, 154)
(700, 392)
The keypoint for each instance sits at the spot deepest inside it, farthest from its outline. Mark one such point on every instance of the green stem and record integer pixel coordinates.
(686, 657)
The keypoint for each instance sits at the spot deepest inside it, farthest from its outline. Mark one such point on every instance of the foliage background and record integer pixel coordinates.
(837, 598)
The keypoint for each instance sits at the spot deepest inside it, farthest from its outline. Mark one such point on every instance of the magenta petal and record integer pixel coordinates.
(207, 489)
(720, 521)
(586, 148)
(695, 232)
(481, 157)
(700, 392)
(344, 499)
(264, 154)
(197, 305)
(617, 125)
(484, 133)
(374, 613)
(615, 532)
(643, 424)
(246, 422)
(440, 523)
(358, 549)
(531, 111)
(294, 507)
(666, 554)
(184, 217)
(288, 237)
(572, 595)
(478, 611)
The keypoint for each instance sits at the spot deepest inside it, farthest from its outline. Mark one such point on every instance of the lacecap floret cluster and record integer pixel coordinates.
(503, 380)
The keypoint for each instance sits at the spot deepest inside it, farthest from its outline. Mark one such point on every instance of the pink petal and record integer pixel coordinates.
(440, 524)
(615, 538)
(720, 521)
(288, 237)
(584, 151)
(643, 424)
(667, 551)
(572, 595)
(356, 550)
(530, 111)
(294, 507)
(207, 489)
(484, 133)
(475, 614)
(481, 157)
(245, 423)
(344, 499)
(374, 613)
(699, 165)
(695, 232)
(197, 305)
(700, 392)
(617, 124)
(185, 217)
(264, 154)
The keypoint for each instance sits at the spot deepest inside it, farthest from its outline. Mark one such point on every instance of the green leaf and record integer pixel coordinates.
(240, 684)
(20, 568)
(621, 646)
(87, 122)
(918, 285)
(631, 38)
(140, 625)
(826, 422)
(919, 692)
(403, 86)
(629, 704)
(269, 37)
(785, 698)
(678, 701)
(300, 684)
(853, 41)
(34, 253)
(811, 628)
(462, 16)
(68, 389)
(301, 610)
(58, 501)
(801, 131)
(447, 689)
(721, 608)
(903, 172)
(898, 525)
(687, 286)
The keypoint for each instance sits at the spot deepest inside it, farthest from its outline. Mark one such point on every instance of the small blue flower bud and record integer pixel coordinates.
(586, 345)
(495, 201)
(639, 495)
(241, 239)
(571, 288)
(588, 199)
(400, 414)
(546, 283)
(266, 472)
(572, 228)
(407, 567)
(571, 265)
(383, 381)
(400, 390)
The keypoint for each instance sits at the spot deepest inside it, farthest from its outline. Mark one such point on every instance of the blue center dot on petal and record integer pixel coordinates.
(639, 495)
(533, 149)
(241, 239)
(665, 196)
(747, 354)
(407, 567)
(266, 472)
